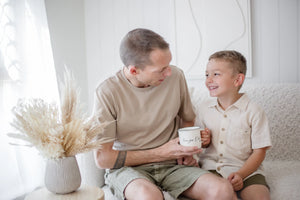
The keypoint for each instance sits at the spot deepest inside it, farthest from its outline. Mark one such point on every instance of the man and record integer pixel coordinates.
(147, 101)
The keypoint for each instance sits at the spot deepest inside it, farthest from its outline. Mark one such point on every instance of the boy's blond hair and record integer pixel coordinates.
(237, 60)
(239, 63)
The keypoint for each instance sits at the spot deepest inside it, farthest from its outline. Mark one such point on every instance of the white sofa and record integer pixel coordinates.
(282, 164)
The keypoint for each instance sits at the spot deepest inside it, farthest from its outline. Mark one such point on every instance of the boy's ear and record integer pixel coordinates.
(239, 80)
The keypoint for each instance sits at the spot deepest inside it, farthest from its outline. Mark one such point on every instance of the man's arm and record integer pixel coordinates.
(108, 158)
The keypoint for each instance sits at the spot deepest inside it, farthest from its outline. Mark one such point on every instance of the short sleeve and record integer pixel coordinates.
(260, 130)
(104, 111)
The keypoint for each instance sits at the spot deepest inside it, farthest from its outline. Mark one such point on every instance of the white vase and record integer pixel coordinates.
(62, 175)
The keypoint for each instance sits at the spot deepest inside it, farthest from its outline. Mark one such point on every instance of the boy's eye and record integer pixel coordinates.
(216, 74)
(206, 75)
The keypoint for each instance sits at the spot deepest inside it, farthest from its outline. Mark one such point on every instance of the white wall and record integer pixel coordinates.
(276, 40)
(275, 37)
(67, 33)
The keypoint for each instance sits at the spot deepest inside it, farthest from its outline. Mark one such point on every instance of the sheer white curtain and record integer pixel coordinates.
(26, 70)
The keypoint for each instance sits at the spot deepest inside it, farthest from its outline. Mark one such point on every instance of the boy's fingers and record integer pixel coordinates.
(179, 161)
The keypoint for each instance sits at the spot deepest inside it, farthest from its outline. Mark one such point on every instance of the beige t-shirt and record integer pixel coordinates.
(235, 132)
(143, 118)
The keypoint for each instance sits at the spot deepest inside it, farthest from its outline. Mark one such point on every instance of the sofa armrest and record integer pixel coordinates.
(90, 173)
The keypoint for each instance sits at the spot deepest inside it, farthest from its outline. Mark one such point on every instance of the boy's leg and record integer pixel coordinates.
(260, 192)
(255, 187)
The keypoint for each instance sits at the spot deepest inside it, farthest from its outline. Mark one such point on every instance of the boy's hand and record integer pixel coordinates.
(236, 181)
(188, 160)
(205, 137)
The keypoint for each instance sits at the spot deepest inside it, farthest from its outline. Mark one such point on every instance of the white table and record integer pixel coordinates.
(84, 192)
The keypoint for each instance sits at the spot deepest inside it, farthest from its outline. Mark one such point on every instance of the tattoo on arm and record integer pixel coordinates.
(120, 161)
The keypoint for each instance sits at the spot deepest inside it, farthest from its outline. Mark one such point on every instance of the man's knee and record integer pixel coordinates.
(222, 190)
(208, 187)
(142, 190)
(147, 193)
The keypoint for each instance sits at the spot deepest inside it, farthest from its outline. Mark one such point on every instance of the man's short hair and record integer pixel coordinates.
(137, 45)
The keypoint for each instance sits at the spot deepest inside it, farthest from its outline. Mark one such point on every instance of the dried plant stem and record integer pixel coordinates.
(57, 133)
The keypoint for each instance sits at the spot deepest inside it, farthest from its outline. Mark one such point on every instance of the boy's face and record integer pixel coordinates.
(221, 81)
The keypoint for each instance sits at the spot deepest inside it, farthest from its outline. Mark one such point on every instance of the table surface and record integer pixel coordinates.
(84, 192)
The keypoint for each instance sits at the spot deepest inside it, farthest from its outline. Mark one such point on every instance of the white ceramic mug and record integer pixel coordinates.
(190, 136)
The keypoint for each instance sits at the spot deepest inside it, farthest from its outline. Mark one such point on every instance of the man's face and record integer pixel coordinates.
(155, 73)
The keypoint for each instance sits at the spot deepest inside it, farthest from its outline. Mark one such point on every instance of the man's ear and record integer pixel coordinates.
(239, 80)
(133, 69)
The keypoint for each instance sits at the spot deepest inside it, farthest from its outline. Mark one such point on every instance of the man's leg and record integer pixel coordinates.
(133, 183)
(142, 189)
(209, 186)
(196, 183)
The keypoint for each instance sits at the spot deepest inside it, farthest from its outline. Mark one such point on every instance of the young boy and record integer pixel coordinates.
(238, 127)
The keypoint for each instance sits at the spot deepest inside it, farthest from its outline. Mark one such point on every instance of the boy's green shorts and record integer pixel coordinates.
(257, 179)
(253, 180)
(174, 179)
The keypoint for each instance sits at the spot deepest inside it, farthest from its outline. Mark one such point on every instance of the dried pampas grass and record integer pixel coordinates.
(56, 133)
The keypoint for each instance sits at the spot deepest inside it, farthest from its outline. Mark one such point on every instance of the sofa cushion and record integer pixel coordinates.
(283, 177)
(281, 103)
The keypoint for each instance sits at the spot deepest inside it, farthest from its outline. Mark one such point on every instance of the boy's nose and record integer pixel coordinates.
(209, 79)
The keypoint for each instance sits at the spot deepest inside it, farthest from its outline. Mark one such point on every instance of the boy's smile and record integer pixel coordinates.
(222, 82)
(219, 78)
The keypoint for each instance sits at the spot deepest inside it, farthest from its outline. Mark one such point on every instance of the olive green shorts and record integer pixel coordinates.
(252, 180)
(174, 179)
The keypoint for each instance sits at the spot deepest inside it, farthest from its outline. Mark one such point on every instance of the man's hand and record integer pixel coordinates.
(205, 137)
(236, 181)
(173, 150)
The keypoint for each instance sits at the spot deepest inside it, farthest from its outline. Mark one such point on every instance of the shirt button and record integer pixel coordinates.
(218, 168)
(221, 142)
(225, 116)
(223, 129)
(221, 161)
(220, 154)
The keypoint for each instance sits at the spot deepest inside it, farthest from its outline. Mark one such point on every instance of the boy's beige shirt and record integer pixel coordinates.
(235, 132)
(143, 118)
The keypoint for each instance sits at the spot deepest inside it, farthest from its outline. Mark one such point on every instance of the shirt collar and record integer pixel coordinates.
(240, 104)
